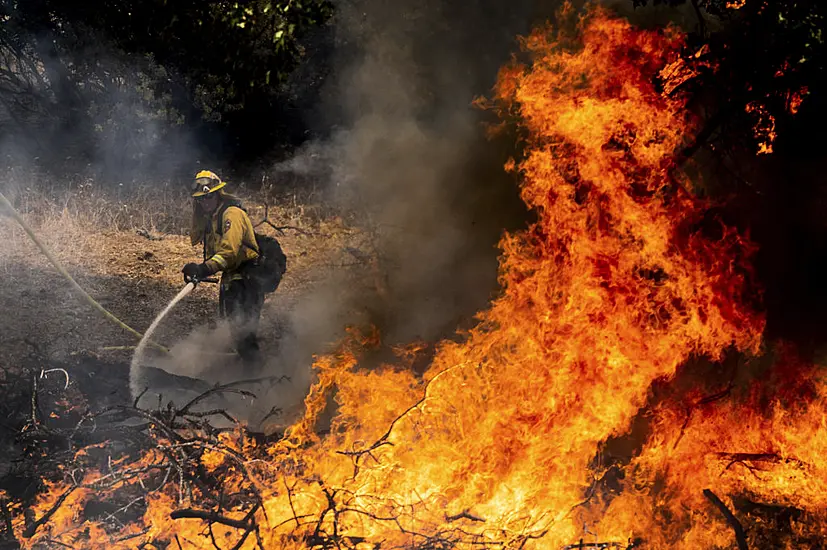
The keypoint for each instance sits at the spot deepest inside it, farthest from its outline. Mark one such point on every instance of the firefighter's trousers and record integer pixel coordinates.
(240, 302)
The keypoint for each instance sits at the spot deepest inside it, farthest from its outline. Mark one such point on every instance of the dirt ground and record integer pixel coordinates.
(80, 361)
(134, 275)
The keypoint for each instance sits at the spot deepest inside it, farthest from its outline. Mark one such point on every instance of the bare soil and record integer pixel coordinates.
(133, 275)
(48, 333)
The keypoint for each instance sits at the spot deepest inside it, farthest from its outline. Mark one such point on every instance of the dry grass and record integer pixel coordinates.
(127, 249)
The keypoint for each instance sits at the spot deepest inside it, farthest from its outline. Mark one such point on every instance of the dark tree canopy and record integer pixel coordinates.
(108, 71)
(756, 64)
(127, 80)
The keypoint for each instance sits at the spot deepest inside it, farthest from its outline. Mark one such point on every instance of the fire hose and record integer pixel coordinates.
(85, 295)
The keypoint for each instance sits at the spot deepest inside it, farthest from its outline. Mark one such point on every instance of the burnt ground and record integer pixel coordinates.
(46, 330)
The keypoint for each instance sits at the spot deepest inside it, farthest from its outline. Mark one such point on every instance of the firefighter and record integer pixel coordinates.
(223, 227)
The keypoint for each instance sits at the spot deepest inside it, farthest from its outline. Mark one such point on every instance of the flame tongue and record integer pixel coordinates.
(612, 288)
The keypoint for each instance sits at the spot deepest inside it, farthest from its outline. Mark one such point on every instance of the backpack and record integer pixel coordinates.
(270, 266)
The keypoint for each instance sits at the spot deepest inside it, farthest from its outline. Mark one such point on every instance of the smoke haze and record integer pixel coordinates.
(405, 157)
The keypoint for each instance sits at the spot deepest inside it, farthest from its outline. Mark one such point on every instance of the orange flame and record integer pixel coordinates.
(621, 279)
(765, 445)
(764, 127)
(795, 99)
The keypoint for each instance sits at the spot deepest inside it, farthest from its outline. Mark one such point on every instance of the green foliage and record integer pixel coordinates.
(231, 51)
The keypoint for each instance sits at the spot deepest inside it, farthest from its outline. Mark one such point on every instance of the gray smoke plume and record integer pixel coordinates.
(408, 161)
(405, 158)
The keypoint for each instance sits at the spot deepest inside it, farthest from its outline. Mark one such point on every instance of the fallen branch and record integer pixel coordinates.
(465, 514)
(733, 522)
(598, 545)
(189, 513)
(4, 508)
(63, 544)
(230, 388)
(275, 410)
(216, 390)
(384, 439)
(34, 419)
(279, 228)
(30, 529)
(132, 536)
(743, 458)
(704, 401)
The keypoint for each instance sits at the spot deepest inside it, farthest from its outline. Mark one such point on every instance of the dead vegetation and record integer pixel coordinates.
(126, 248)
(176, 460)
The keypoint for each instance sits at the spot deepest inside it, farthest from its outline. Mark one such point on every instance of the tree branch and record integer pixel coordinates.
(733, 522)
(30, 530)
(189, 513)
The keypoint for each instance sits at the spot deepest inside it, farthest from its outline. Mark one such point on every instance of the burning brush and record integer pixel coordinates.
(621, 281)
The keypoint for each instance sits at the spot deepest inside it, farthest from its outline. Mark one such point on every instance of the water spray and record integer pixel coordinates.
(144, 339)
(137, 357)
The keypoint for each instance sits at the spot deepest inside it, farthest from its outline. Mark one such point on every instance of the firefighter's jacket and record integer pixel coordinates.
(229, 241)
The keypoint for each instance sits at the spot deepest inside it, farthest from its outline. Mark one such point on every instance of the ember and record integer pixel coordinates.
(621, 280)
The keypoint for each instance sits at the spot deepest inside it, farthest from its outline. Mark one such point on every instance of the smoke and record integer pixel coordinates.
(403, 156)
(89, 111)
(406, 157)
(407, 160)
(660, 14)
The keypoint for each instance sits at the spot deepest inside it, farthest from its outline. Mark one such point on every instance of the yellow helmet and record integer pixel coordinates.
(206, 182)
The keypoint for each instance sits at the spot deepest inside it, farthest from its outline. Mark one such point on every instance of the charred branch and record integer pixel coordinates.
(7, 519)
(733, 522)
(132, 536)
(465, 514)
(290, 500)
(600, 545)
(61, 544)
(745, 458)
(32, 528)
(216, 390)
(703, 401)
(383, 440)
(232, 387)
(213, 517)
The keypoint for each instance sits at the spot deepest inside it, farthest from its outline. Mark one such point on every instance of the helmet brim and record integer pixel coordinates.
(202, 193)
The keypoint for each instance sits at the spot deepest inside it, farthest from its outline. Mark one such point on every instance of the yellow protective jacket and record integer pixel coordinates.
(229, 239)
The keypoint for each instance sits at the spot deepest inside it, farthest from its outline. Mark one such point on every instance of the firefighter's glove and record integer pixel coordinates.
(195, 272)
